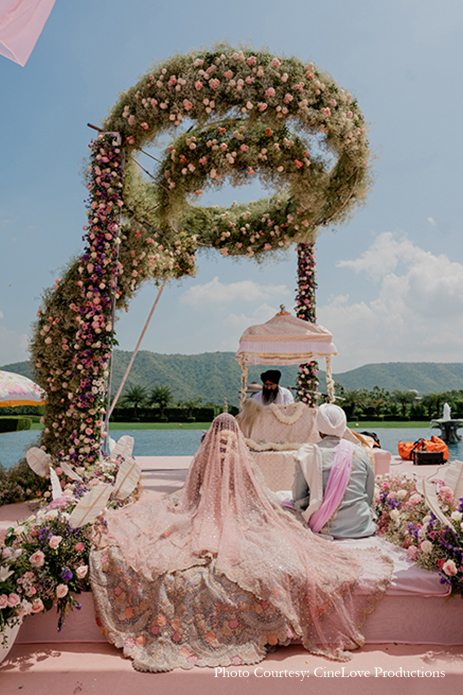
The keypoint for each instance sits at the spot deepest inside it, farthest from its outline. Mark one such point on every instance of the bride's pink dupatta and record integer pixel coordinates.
(335, 487)
(227, 521)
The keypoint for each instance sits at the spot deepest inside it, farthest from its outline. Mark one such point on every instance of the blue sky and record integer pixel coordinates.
(390, 282)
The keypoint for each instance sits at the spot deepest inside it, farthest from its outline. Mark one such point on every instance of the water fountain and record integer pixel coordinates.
(448, 426)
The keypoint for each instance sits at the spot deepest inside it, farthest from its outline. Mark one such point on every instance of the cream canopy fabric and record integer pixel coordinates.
(284, 339)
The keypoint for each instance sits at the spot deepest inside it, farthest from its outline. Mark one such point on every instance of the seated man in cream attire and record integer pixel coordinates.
(334, 482)
(271, 391)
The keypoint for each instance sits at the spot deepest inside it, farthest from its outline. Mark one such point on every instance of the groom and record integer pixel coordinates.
(334, 483)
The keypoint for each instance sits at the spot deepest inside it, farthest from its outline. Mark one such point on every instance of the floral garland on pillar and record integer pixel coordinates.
(76, 348)
(307, 379)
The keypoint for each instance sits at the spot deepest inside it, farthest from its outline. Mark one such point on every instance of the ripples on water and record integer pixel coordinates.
(13, 445)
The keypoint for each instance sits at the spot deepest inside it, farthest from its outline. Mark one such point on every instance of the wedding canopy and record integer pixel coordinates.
(286, 339)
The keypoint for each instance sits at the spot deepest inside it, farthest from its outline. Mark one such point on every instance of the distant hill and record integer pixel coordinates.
(216, 375)
(425, 377)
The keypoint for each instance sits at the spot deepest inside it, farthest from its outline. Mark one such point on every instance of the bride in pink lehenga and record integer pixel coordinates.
(215, 574)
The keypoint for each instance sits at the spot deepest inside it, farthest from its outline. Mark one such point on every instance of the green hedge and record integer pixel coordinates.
(15, 424)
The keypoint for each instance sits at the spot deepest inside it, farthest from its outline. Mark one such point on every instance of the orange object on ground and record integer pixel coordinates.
(406, 449)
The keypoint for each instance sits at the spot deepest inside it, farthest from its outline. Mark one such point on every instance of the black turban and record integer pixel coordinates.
(272, 375)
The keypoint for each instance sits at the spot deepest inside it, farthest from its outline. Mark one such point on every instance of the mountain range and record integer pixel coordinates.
(215, 376)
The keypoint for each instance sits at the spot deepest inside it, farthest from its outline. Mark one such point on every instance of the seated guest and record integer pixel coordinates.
(271, 391)
(334, 482)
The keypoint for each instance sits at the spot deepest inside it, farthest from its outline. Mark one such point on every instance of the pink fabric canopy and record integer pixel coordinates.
(284, 339)
(21, 23)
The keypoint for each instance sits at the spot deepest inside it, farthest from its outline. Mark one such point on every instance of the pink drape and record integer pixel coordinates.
(21, 23)
(336, 486)
(225, 519)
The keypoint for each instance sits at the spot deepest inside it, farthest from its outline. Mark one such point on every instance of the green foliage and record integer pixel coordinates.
(20, 483)
(14, 424)
(215, 376)
(161, 396)
(134, 397)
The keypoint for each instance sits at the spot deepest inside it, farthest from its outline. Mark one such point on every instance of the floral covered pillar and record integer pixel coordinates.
(75, 332)
(307, 380)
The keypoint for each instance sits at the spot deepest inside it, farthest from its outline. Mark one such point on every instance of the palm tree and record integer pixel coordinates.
(354, 402)
(379, 399)
(162, 396)
(191, 404)
(404, 398)
(134, 396)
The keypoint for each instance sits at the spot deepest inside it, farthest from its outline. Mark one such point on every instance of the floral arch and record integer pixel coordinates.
(232, 114)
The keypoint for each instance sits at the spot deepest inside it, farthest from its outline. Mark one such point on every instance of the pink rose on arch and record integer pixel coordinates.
(252, 60)
(450, 568)
(3, 601)
(412, 552)
(37, 559)
(79, 547)
(441, 563)
(54, 542)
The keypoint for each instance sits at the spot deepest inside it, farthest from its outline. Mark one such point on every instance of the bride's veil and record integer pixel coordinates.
(224, 518)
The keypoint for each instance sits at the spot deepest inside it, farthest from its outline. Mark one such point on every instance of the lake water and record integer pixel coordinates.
(13, 445)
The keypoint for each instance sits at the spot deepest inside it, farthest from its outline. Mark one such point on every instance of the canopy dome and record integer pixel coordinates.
(284, 339)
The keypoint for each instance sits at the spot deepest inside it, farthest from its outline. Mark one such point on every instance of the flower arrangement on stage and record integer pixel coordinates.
(404, 518)
(237, 115)
(44, 561)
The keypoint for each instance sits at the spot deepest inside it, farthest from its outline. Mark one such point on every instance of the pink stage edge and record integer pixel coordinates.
(42, 663)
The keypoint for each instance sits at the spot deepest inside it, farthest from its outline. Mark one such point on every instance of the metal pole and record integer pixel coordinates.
(124, 379)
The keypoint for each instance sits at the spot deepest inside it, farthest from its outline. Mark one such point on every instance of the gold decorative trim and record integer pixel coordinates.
(279, 356)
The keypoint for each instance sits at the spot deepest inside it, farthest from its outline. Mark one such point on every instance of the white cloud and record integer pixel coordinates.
(216, 292)
(239, 322)
(417, 314)
(382, 257)
(13, 346)
(432, 221)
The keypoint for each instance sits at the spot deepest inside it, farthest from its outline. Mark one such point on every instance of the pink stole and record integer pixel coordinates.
(335, 487)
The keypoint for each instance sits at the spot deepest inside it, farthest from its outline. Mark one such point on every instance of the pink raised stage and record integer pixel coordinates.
(414, 638)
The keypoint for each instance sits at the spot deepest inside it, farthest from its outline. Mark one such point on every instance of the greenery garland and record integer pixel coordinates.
(247, 114)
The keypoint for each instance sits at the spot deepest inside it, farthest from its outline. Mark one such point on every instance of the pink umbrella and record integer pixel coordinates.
(19, 390)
